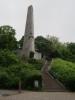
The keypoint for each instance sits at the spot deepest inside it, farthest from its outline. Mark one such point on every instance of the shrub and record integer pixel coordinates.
(10, 76)
(14, 70)
(37, 64)
(7, 58)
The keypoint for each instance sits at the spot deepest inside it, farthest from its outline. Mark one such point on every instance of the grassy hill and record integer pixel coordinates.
(65, 72)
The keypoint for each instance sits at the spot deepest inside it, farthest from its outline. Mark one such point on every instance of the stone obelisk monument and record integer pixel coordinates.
(28, 44)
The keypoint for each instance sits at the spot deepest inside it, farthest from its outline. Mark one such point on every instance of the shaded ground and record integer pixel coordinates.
(41, 96)
(7, 92)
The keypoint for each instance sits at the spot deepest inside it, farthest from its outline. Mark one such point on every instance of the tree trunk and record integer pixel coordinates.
(19, 90)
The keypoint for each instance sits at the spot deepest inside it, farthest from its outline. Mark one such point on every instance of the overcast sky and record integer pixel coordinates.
(51, 17)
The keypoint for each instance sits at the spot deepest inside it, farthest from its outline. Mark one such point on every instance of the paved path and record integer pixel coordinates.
(41, 96)
(49, 83)
(8, 92)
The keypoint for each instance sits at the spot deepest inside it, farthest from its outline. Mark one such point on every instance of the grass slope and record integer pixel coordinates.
(65, 72)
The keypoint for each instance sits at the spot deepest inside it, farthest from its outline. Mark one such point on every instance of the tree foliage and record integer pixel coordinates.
(15, 74)
(7, 58)
(52, 47)
(47, 47)
(7, 38)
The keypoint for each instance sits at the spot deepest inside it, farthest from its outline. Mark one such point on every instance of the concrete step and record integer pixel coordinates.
(49, 83)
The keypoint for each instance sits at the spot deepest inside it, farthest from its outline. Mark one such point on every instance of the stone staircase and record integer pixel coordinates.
(49, 83)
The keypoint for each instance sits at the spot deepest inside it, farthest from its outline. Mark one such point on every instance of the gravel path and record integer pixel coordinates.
(41, 96)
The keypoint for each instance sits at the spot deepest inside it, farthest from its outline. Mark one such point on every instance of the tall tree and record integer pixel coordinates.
(7, 38)
(71, 47)
(46, 47)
